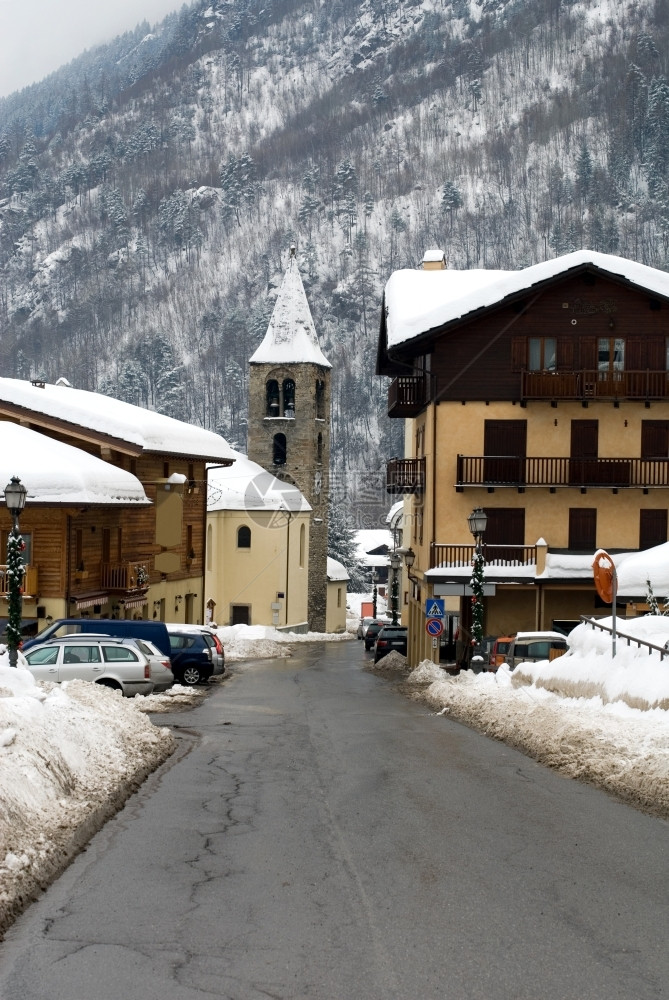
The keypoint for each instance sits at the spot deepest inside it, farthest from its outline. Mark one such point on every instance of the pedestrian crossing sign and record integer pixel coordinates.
(434, 608)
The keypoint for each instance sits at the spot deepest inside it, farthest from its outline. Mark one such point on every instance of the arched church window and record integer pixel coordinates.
(320, 399)
(244, 537)
(302, 544)
(279, 449)
(319, 448)
(288, 397)
(272, 389)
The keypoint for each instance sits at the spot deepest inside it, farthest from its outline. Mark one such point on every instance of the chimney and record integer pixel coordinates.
(434, 260)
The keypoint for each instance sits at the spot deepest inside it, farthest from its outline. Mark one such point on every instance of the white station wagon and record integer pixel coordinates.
(102, 660)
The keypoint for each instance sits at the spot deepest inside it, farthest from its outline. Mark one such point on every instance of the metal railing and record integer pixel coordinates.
(629, 639)
(405, 475)
(462, 556)
(408, 394)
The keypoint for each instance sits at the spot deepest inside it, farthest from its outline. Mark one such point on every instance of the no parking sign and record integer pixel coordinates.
(434, 627)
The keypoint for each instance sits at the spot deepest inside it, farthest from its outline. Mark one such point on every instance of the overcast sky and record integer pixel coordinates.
(38, 36)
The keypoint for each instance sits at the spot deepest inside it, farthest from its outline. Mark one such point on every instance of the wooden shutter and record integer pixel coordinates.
(507, 438)
(565, 354)
(506, 526)
(518, 353)
(583, 529)
(635, 354)
(588, 353)
(654, 438)
(652, 528)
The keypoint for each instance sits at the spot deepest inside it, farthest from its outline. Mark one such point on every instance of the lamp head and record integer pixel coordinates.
(15, 496)
(477, 521)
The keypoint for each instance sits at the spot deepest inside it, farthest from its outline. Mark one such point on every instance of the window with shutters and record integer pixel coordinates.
(506, 526)
(583, 529)
(505, 450)
(652, 528)
(542, 355)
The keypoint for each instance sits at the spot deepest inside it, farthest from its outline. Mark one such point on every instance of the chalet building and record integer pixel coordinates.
(136, 550)
(542, 397)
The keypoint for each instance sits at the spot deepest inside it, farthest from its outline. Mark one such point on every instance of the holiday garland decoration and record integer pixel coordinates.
(15, 571)
(476, 584)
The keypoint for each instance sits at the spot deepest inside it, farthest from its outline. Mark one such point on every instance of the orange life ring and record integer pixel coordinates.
(604, 572)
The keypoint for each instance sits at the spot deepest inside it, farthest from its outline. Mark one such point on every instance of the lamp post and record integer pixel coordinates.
(15, 498)
(477, 521)
(375, 592)
(395, 563)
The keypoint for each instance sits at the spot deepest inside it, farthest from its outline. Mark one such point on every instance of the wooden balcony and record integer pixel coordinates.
(512, 471)
(462, 556)
(122, 578)
(405, 475)
(30, 581)
(589, 385)
(408, 395)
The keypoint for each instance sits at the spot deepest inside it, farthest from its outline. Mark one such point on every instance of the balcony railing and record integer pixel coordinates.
(408, 395)
(586, 385)
(462, 556)
(405, 475)
(29, 585)
(512, 471)
(124, 577)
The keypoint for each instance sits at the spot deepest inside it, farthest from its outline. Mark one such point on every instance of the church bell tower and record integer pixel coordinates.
(289, 419)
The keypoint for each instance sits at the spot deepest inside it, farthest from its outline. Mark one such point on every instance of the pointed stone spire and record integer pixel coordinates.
(291, 336)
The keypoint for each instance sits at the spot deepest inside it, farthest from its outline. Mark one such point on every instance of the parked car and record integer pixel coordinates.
(211, 639)
(152, 631)
(100, 659)
(390, 637)
(373, 630)
(192, 658)
(500, 648)
(161, 666)
(535, 646)
(362, 627)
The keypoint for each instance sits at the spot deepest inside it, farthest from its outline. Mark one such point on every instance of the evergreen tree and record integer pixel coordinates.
(341, 542)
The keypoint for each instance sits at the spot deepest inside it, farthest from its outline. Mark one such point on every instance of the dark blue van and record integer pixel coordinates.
(155, 632)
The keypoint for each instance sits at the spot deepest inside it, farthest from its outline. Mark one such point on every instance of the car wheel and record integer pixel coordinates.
(192, 675)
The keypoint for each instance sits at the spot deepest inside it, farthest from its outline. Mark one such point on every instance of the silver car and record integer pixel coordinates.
(161, 668)
(105, 661)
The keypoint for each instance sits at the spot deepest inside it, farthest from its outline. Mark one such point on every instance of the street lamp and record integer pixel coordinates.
(395, 563)
(375, 592)
(15, 498)
(477, 521)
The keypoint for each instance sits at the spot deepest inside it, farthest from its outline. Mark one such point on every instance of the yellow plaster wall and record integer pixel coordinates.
(254, 576)
(335, 619)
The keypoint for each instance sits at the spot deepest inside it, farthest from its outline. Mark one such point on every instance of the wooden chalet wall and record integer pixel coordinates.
(481, 358)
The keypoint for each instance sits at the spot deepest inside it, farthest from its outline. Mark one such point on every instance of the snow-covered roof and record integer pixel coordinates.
(291, 335)
(145, 429)
(247, 486)
(418, 301)
(336, 571)
(367, 540)
(56, 473)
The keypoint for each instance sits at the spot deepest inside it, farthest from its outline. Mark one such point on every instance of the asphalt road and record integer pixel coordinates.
(321, 837)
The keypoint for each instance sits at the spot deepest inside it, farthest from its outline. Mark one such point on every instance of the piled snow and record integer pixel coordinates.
(393, 662)
(594, 717)
(260, 642)
(70, 755)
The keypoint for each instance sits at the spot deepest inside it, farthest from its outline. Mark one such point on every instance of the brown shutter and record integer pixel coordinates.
(656, 354)
(588, 353)
(652, 528)
(635, 354)
(565, 354)
(583, 529)
(518, 353)
(654, 438)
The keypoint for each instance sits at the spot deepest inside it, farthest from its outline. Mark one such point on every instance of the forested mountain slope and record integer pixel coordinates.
(149, 191)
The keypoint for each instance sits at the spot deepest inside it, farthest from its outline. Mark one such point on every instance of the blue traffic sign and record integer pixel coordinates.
(434, 626)
(434, 608)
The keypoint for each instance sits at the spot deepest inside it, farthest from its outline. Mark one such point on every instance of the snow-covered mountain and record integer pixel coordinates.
(149, 191)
